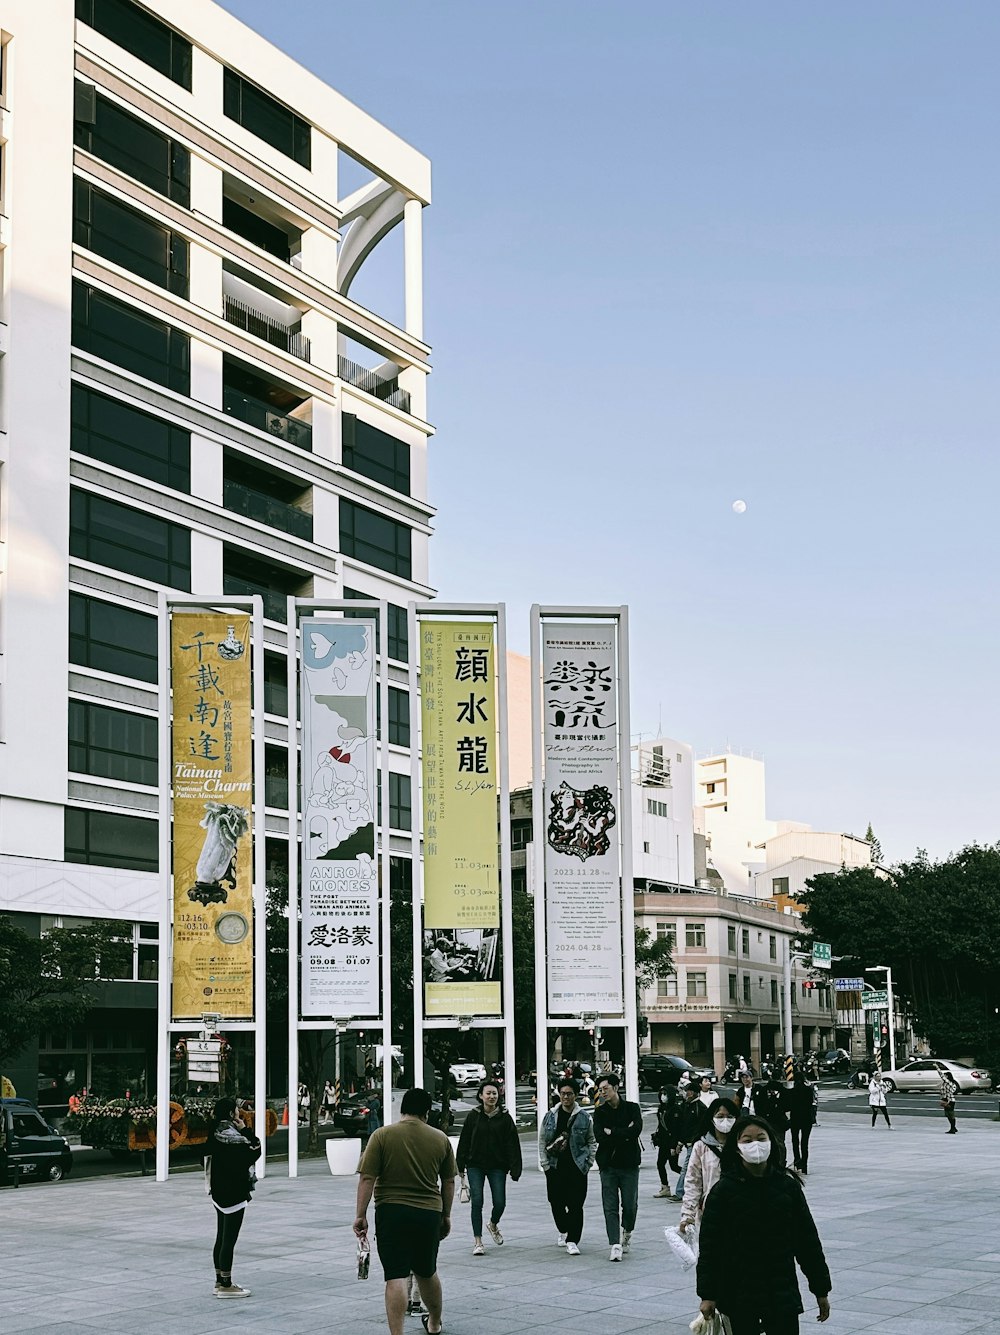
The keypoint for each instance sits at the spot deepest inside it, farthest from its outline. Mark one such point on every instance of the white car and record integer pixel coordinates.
(467, 1073)
(924, 1076)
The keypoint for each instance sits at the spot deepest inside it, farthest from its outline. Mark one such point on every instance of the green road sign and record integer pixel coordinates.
(875, 999)
(822, 955)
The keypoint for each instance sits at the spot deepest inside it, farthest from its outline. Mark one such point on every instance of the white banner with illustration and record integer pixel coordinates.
(583, 898)
(340, 895)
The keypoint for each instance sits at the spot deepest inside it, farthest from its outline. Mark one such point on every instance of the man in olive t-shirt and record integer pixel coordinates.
(403, 1165)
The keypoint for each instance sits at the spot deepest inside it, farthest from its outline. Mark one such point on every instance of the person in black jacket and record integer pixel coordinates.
(771, 1103)
(800, 1102)
(665, 1139)
(755, 1227)
(230, 1153)
(617, 1127)
(488, 1149)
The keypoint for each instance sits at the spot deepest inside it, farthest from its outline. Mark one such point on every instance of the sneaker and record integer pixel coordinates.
(675, 1197)
(234, 1291)
(616, 1252)
(479, 1250)
(560, 1239)
(572, 1249)
(414, 1307)
(626, 1241)
(663, 1194)
(494, 1233)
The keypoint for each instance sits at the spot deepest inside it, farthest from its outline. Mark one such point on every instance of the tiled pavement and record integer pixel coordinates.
(910, 1219)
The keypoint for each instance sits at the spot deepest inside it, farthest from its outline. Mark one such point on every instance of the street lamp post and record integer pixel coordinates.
(887, 970)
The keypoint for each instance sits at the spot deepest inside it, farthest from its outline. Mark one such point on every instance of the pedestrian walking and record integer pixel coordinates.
(704, 1165)
(231, 1150)
(949, 1092)
(800, 1102)
(771, 1103)
(617, 1127)
(303, 1103)
(488, 1150)
(328, 1103)
(705, 1091)
(410, 1168)
(692, 1123)
(566, 1149)
(756, 1226)
(877, 1099)
(665, 1140)
(746, 1094)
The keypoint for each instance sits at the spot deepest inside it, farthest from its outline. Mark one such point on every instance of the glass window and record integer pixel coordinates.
(376, 454)
(400, 814)
(258, 231)
(732, 987)
(667, 931)
(112, 638)
(114, 535)
(694, 934)
(520, 833)
(275, 776)
(667, 987)
(746, 988)
(112, 743)
(746, 941)
(105, 839)
(779, 885)
(772, 946)
(135, 148)
(656, 808)
(399, 717)
(122, 334)
(697, 984)
(131, 439)
(275, 685)
(134, 28)
(375, 539)
(399, 642)
(247, 575)
(774, 991)
(127, 237)
(267, 118)
(731, 938)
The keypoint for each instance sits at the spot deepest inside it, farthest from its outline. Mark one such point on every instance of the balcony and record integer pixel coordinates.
(374, 382)
(275, 604)
(262, 326)
(254, 504)
(247, 575)
(256, 413)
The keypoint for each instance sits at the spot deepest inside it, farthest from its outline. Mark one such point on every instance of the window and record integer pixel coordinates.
(114, 535)
(376, 454)
(275, 685)
(697, 984)
(645, 845)
(275, 776)
(258, 231)
(375, 539)
(694, 935)
(124, 141)
(779, 885)
(135, 29)
(248, 575)
(746, 941)
(114, 639)
(127, 237)
(112, 743)
(520, 833)
(774, 991)
(400, 814)
(399, 640)
(399, 717)
(667, 931)
(267, 118)
(105, 839)
(667, 987)
(731, 938)
(746, 989)
(120, 333)
(733, 993)
(127, 438)
(772, 947)
(656, 808)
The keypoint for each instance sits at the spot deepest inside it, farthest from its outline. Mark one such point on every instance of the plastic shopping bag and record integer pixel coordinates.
(681, 1247)
(712, 1325)
(464, 1195)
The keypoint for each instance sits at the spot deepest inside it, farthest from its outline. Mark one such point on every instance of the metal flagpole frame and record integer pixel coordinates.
(296, 1024)
(496, 614)
(166, 1026)
(628, 1020)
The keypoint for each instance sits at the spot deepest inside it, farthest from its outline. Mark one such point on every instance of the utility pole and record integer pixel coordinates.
(787, 998)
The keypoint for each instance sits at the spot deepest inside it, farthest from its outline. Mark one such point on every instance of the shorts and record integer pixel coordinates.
(407, 1239)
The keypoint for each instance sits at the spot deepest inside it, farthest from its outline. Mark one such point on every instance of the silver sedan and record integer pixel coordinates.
(924, 1076)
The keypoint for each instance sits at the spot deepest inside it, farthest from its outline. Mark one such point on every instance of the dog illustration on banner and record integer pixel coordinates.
(579, 821)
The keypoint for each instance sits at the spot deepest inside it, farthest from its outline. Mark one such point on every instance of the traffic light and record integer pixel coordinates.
(808, 985)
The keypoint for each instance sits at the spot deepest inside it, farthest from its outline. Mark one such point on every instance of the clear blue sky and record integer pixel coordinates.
(684, 253)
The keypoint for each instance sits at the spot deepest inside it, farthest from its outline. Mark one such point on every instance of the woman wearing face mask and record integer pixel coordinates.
(666, 1140)
(704, 1165)
(230, 1153)
(758, 1200)
(488, 1149)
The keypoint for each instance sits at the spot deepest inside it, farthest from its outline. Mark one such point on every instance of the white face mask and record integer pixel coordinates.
(755, 1151)
(723, 1124)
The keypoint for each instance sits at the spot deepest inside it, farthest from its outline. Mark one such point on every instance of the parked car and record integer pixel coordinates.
(466, 1074)
(28, 1143)
(351, 1116)
(835, 1061)
(924, 1076)
(657, 1069)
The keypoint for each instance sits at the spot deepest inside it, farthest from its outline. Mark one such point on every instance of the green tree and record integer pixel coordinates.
(51, 981)
(876, 847)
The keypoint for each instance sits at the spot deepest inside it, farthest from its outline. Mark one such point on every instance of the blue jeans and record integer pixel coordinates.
(619, 1184)
(684, 1159)
(498, 1191)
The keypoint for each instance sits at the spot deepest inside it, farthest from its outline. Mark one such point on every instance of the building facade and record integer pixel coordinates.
(792, 857)
(190, 400)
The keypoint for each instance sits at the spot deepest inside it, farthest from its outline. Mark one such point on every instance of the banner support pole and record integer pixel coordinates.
(165, 964)
(292, 644)
(538, 865)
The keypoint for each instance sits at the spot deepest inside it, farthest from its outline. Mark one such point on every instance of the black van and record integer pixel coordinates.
(28, 1143)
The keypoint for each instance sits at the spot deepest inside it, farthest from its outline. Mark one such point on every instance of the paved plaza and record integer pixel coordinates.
(910, 1219)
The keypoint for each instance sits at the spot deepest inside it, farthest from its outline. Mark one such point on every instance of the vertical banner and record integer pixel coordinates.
(458, 702)
(213, 791)
(340, 886)
(582, 800)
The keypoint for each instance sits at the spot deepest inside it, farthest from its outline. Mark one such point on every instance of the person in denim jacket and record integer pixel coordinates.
(566, 1151)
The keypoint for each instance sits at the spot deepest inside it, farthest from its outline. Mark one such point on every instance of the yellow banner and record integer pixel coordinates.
(213, 789)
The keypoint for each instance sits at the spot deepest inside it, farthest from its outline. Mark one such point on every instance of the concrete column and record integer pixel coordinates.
(206, 469)
(414, 380)
(719, 1047)
(206, 374)
(754, 1055)
(206, 564)
(206, 279)
(413, 267)
(319, 256)
(206, 188)
(321, 330)
(326, 433)
(326, 519)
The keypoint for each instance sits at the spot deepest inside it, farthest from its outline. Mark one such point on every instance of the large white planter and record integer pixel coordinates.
(343, 1156)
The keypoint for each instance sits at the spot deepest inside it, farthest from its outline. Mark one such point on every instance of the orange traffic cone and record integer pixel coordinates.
(284, 1115)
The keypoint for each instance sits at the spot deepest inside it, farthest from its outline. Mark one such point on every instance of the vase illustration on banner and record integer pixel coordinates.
(579, 820)
(225, 826)
(231, 648)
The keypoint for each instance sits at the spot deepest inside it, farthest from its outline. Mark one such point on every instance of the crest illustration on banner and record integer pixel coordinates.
(340, 893)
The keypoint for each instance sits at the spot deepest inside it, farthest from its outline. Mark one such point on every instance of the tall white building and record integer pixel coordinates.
(730, 792)
(190, 399)
(662, 814)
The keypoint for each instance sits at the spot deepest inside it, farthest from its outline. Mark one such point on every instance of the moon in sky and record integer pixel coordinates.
(739, 507)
